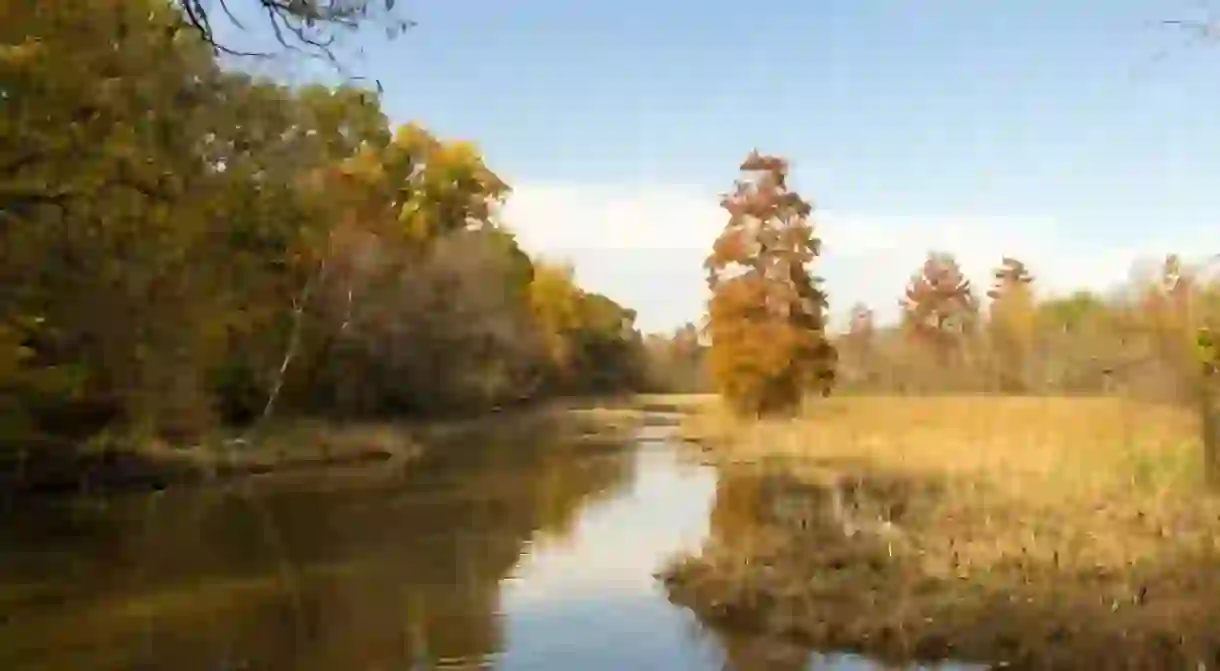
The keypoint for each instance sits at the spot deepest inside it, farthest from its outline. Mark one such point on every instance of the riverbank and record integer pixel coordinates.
(1042, 532)
(304, 444)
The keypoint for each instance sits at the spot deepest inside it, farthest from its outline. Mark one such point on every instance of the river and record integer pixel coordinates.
(513, 552)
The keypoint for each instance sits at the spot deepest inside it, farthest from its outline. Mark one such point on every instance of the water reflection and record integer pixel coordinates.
(759, 517)
(594, 605)
(355, 571)
(519, 552)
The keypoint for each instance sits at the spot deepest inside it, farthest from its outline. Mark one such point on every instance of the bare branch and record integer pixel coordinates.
(203, 26)
(225, 7)
(303, 26)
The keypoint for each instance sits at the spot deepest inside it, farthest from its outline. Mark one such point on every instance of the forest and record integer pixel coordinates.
(184, 246)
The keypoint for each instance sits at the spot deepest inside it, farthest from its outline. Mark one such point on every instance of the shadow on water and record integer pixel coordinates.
(508, 552)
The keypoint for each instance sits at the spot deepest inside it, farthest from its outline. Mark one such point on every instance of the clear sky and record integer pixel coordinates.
(1079, 134)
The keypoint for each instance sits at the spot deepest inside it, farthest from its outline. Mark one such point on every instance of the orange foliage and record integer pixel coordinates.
(766, 314)
(939, 306)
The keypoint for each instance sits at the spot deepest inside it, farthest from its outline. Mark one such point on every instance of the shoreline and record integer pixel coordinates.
(824, 536)
(300, 445)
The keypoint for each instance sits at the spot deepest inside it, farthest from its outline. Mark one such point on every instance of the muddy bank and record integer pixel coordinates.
(296, 446)
(853, 558)
(65, 471)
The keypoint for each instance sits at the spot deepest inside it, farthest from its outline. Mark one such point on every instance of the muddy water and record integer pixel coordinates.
(519, 552)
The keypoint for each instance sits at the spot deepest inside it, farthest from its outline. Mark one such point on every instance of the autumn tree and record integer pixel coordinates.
(939, 308)
(689, 360)
(1169, 310)
(858, 346)
(392, 214)
(183, 244)
(766, 316)
(1011, 324)
(555, 303)
(1179, 328)
(1080, 338)
(676, 361)
(609, 348)
(105, 199)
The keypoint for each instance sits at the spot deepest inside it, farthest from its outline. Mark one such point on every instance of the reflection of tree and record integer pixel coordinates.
(736, 509)
(365, 574)
(745, 653)
(753, 509)
(748, 505)
(749, 652)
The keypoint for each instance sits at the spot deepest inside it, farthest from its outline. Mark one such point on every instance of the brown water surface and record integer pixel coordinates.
(513, 552)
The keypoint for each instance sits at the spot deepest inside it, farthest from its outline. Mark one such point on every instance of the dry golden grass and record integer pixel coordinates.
(1050, 519)
(1110, 479)
(1078, 444)
(685, 403)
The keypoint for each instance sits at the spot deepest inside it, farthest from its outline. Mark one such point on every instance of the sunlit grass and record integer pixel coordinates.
(1058, 516)
(1107, 477)
(1077, 444)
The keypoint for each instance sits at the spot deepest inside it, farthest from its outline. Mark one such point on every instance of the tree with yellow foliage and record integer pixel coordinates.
(939, 307)
(766, 316)
(1011, 325)
(555, 302)
(1169, 308)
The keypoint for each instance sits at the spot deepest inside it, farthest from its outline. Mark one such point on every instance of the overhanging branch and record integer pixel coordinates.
(305, 26)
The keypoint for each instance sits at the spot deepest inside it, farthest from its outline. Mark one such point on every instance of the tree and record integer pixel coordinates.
(1011, 324)
(676, 361)
(1080, 336)
(858, 346)
(609, 350)
(440, 187)
(766, 315)
(1181, 341)
(556, 303)
(1170, 314)
(939, 307)
(104, 196)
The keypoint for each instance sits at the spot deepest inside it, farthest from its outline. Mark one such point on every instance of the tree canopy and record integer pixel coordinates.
(182, 244)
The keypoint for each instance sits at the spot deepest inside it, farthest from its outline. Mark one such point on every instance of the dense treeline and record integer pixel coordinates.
(183, 245)
(1141, 339)
(765, 325)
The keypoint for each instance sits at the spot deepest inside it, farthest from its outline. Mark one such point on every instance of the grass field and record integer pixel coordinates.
(1047, 532)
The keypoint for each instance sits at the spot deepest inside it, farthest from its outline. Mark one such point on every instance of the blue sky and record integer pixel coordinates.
(1080, 134)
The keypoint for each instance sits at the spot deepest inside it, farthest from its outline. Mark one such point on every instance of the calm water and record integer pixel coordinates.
(513, 553)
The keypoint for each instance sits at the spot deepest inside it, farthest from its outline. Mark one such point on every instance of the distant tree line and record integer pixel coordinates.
(1143, 339)
(765, 344)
